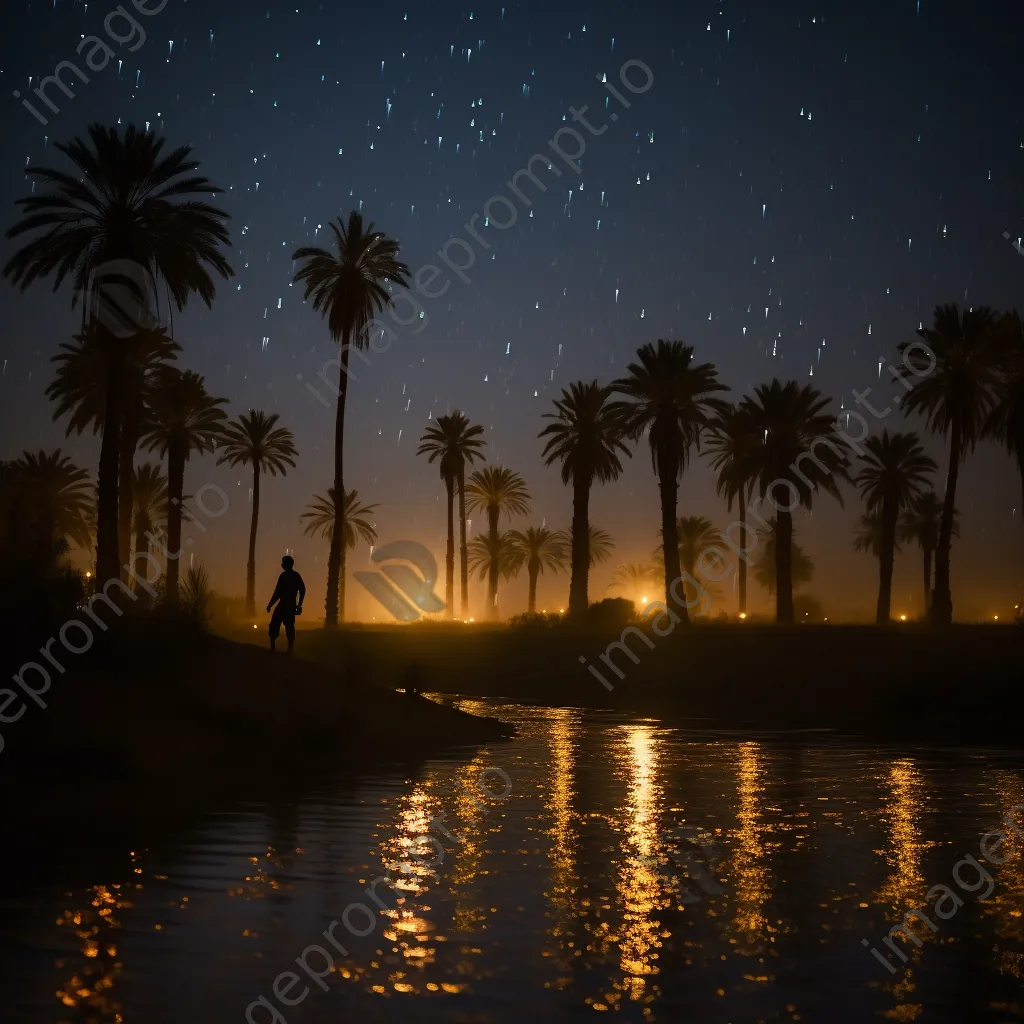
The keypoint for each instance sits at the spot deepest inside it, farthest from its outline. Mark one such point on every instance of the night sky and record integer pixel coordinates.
(798, 188)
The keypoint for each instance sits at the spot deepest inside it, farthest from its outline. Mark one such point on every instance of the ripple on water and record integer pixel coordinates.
(632, 869)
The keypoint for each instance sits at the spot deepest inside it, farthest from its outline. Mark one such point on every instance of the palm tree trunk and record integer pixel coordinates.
(784, 567)
(927, 582)
(175, 489)
(335, 604)
(250, 569)
(1020, 467)
(140, 559)
(463, 550)
(668, 487)
(449, 552)
(743, 546)
(125, 498)
(108, 565)
(883, 612)
(534, 569)
(580, 548)
(493, 512)
(942, 600)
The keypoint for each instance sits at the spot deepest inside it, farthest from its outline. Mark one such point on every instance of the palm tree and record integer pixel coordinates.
(45, 502)
(921, 525)
(586, 437)
(120, 203)
(453, 442)
(322, 514)
(957, 374)
(731, 447)
(790, 467)
(149, 508)
(869, 534)
(696, 535)
(629, 576)
(599, 545)
(540, 548)
(490, 490)
(183, 418)
(493, 555)
(766, 569)
(79, 389)
(1005, 421)
(634, 578)
(255, 440)
(347, 286)
(49, 501)
(894, 474)
(672, 398)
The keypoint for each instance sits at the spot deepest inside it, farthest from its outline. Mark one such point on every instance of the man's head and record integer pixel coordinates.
(287, 562)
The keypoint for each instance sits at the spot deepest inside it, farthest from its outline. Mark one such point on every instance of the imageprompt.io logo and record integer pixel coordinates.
(406, 594)
(697, 855)
(120, 295)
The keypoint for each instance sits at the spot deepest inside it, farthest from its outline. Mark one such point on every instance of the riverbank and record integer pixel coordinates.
(906, 682)
(159, 721)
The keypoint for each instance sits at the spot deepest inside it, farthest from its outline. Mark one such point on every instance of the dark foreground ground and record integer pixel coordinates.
(158, 722)
(905, 683)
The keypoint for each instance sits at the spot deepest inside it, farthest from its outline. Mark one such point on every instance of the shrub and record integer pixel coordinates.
(535, 620)
(611, 613)
(196, 594)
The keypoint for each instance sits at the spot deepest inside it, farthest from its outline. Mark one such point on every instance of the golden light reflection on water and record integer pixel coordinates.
(748, 869)
(411, 862)
(470, 811)
(563, 889)
(640, 885)
(422, 871)
(905, 887)
(901, 812)
(1006, 904)
(573, 890)
(261, 883)
(89, 989)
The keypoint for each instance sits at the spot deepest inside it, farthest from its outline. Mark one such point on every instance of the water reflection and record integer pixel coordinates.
(562, 892)
(748, 869)
(90, 988)
(1006, 905)
(571, 896)
(905, 886)
(640, 882)
(902, 810)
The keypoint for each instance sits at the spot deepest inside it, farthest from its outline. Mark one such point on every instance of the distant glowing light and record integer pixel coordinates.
(561, 611)
(88, 575)
(643, 600)
(903, 618)
(996, 617)
(743, 615)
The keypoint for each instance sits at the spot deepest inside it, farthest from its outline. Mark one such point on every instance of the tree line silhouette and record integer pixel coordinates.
(130, 199)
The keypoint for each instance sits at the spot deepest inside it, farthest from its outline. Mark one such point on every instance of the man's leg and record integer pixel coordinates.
(289, 631)
(275, 626)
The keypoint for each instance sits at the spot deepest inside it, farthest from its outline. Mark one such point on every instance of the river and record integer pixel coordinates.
(609, 865)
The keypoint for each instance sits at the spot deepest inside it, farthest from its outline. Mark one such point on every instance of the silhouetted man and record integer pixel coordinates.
(289, 595)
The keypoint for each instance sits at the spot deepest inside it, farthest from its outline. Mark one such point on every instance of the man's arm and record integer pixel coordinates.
(302, 591)
(276, 595)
